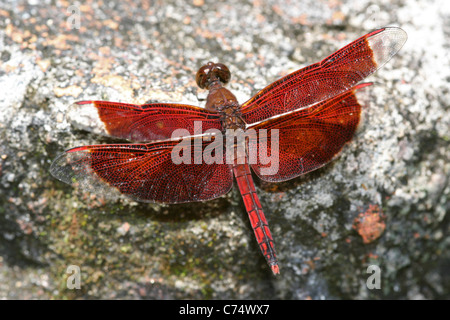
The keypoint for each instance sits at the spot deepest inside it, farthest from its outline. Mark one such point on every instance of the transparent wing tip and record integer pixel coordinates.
(386, 43)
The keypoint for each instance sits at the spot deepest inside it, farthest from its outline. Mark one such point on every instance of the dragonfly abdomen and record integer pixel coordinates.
(257, 219)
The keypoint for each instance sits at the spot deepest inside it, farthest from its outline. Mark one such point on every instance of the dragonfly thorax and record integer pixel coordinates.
(220, 99)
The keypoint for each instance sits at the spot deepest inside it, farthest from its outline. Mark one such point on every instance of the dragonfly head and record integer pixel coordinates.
(211, 73)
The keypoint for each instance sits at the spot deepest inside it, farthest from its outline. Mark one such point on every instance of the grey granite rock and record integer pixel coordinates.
(383, 202)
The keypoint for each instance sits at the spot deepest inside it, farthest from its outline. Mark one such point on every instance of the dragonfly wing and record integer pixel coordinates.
(307, 139)
(147, 122)
(144, 172)
(326, 79)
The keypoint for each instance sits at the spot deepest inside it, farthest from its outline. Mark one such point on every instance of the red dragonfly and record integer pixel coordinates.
(314, 109)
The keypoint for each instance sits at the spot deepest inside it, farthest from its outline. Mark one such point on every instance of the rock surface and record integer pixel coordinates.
(383, 202)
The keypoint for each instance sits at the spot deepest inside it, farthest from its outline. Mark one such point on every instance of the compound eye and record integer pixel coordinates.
(212, 71)
(203, 74)
(222, 72)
